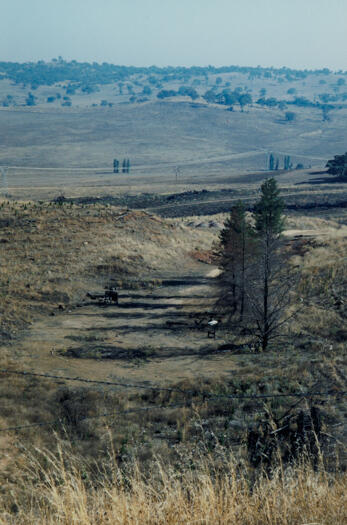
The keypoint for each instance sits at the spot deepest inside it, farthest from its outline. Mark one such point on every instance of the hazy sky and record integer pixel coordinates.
(296, 33)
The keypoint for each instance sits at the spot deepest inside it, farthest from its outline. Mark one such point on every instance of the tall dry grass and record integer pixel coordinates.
(61, 493)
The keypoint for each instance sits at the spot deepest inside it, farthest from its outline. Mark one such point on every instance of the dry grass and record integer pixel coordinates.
(67, 250)
(58, 490)
(54, 254)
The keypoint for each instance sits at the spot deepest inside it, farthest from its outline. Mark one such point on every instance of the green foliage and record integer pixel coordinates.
(209, 96)
(338, 165)
(268, 211)
(290, 116)
(287, 163)
(166, 93)
(244, 100)
(30, 100)
(268, 102)
(187, 91)
(115, 166)
(235, 246)
(146, 90)
(125, 166)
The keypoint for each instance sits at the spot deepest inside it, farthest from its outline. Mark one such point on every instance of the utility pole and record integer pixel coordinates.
(178, 171)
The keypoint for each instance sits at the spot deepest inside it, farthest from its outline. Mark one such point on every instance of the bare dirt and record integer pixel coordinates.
(150, 336)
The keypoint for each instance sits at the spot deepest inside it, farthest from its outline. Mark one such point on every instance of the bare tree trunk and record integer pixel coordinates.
(265, 335)
(242, 298)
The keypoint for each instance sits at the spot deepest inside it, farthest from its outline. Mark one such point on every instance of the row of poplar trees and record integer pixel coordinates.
(256, 283)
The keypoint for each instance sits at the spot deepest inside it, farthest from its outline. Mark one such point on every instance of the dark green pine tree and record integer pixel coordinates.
(124, 166)
(115, 166)
(235, 242)
(269, 209)
(271, 162)
(268, 290)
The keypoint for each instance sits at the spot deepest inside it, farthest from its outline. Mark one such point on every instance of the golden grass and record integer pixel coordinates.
(52, 254)
(66, 250)
(60, 492)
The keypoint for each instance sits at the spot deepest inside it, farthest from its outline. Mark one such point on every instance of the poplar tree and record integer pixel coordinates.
(115, 166)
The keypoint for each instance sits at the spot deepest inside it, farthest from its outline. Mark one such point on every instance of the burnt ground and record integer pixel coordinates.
(152, 335)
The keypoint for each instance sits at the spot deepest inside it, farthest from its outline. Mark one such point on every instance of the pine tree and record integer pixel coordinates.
(271, 162)
(269, 287)
(115, 166)
(234, 252)
(268, 211)
(124, 166)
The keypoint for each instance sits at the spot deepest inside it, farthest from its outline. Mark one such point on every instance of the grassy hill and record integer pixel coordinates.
(132, 413)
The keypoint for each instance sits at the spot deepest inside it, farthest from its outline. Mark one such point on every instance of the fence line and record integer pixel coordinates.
(205, 395)
(106, 414)
(188, 404)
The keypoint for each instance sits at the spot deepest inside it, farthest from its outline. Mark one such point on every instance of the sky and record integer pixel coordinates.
(301, 34)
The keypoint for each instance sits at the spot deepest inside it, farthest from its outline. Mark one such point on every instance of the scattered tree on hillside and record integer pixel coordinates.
(30, 100)
(326, 108)
(187, 91)
(338, 166)
(209, 96)
(244, 100)
(268, 102)
(166, 93)
(271, 162)
(290, 116)
(146, 90)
